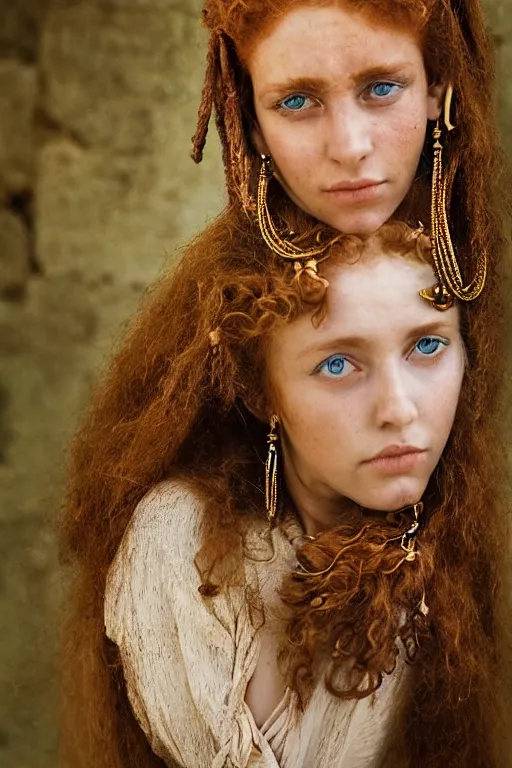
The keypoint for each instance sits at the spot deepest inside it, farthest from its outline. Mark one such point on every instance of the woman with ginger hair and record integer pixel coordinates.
(286, 505)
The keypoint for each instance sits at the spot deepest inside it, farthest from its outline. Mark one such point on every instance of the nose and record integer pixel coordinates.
(349, 134)
(395, 404)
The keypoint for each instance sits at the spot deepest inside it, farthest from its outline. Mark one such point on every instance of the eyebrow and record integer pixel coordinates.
(358, 342)
(321, 84)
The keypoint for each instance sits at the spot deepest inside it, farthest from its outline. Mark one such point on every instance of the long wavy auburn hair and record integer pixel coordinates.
(172, 405)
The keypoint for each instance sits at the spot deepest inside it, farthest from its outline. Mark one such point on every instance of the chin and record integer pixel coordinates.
(404, 493)
(361, 222)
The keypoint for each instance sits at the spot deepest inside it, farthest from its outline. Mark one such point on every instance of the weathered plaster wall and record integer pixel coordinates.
(97, 107)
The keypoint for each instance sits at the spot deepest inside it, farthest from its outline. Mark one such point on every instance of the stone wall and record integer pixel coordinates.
(97, 106)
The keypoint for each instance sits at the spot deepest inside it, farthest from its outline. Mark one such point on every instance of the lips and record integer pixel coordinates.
(397, 459)
(353, 186)
(363, 191)
(393, 451)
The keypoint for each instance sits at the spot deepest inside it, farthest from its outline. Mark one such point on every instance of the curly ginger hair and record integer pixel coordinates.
(171, 407)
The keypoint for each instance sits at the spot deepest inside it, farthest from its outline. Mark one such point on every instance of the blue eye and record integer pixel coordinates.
(429, 346)
(336, 367)
(294, 103)
(383, 89)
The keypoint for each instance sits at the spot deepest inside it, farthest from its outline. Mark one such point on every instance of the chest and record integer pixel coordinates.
(267, 686)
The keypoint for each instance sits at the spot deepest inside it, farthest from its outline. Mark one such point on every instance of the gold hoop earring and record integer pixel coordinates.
(305, 261)
(283, 248)
(271, 471)
(445, 261)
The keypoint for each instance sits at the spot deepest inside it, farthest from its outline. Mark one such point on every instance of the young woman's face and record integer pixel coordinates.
(380, 376)
(342, 106)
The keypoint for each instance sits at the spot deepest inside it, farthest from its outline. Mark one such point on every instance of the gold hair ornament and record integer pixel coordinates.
(450, 282)
(214, 339)
(271, 471)
(408, 538)
(304, 260)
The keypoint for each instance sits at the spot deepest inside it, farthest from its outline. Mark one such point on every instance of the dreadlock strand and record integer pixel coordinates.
(206, 105)
(238, 153)
(220, 122)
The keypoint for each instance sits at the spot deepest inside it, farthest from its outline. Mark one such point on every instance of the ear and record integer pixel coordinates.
(435, 96)
(258, 407)
(258, 140)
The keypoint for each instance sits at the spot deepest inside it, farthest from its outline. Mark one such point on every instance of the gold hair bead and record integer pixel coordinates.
(337, 652)
(438, 296)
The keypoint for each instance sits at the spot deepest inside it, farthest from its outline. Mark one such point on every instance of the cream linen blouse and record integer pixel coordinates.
(187, 660)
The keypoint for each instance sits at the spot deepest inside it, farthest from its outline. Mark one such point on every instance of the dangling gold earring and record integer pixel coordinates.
(271, 471)
(304, 261)
(283, 248)
(445, 261)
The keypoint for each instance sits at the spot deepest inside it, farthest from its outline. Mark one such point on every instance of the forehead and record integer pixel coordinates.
(374, 298)
(376, 288)
(307, 34)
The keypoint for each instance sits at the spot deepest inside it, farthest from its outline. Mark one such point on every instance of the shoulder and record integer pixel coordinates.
(170, 503)
(156, 555)
(169, 514)
(162, 538)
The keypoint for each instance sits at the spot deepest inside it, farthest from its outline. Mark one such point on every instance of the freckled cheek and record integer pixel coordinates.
(440, 405)
(295, 154)
(404, 136)
(319, 428)
(450, 400)
(406, 129)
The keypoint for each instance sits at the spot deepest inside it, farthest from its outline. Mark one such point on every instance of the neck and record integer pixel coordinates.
(318, 508)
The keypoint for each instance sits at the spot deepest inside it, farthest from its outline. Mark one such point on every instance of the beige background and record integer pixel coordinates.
(97, 107)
